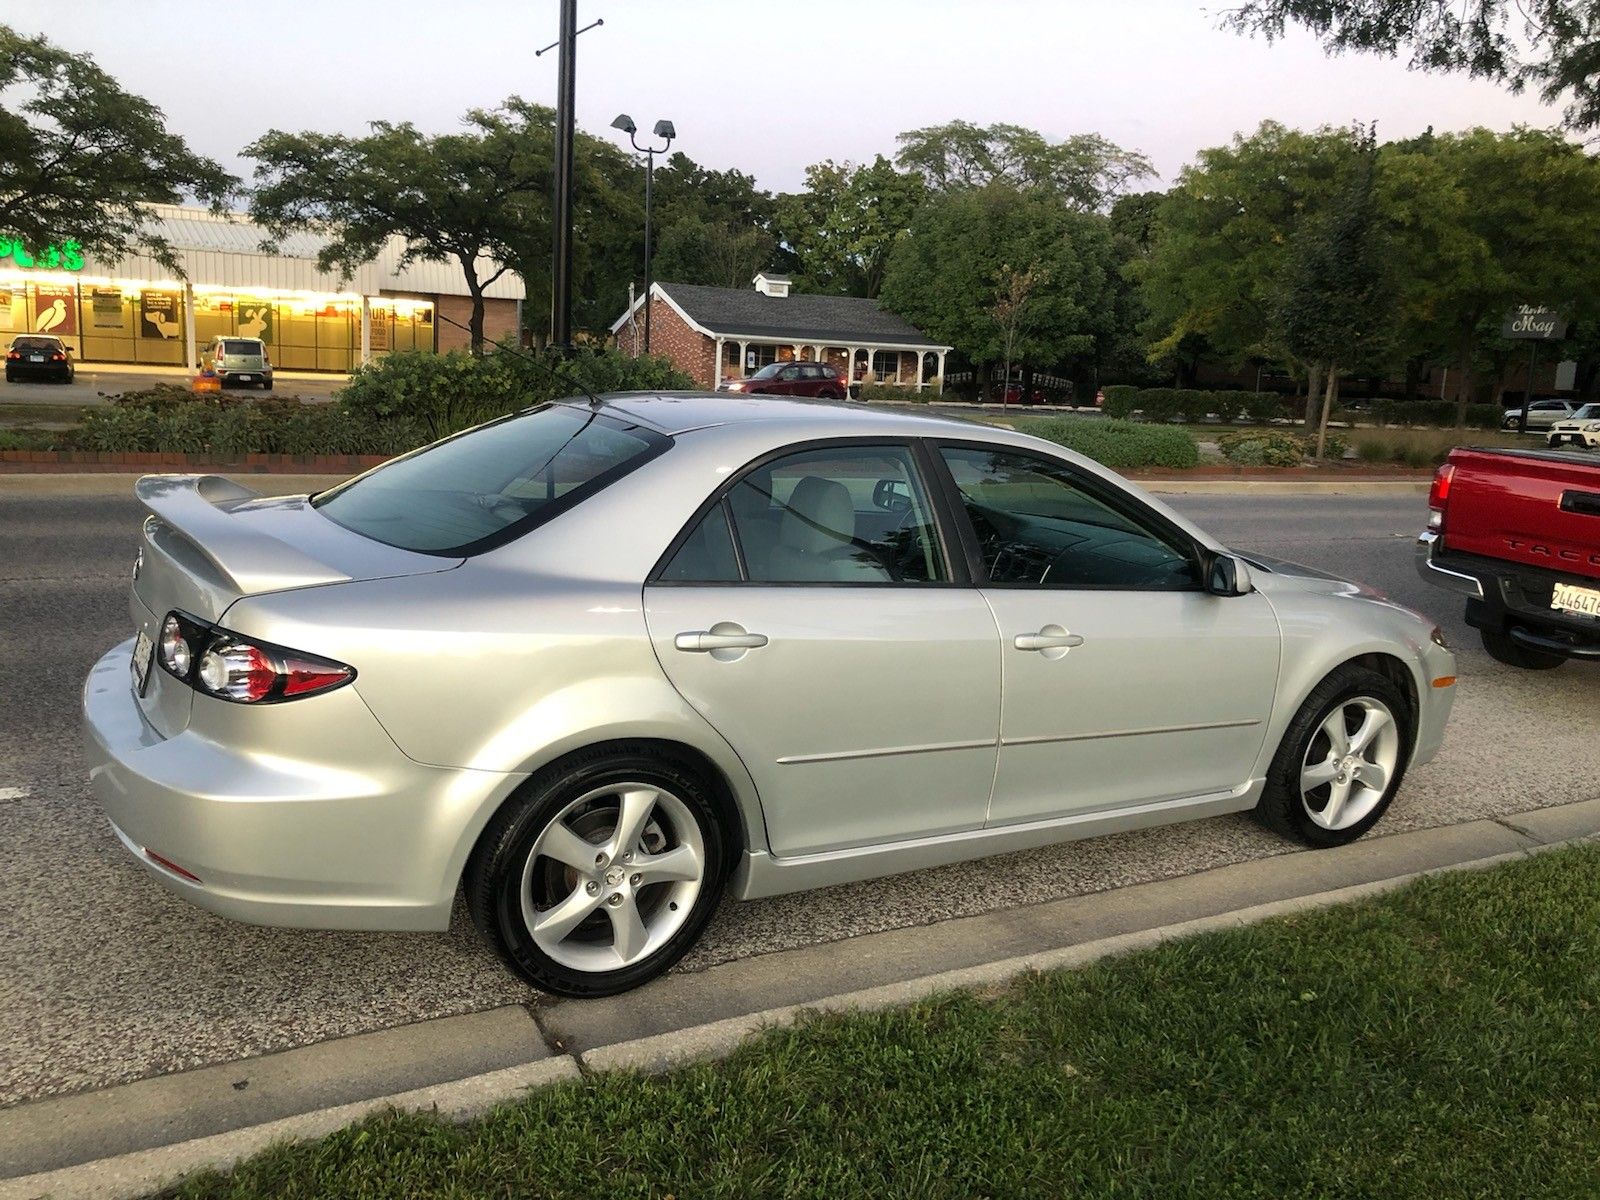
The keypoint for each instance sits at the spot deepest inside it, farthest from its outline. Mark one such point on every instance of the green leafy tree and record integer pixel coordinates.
(1484, 222)
(945, 275)
(1552, 45)
(842, 229)
(1015, 290)
(1086, 170)
(80, 157)
(713, 227)
(1214, 273)
(1338, 293)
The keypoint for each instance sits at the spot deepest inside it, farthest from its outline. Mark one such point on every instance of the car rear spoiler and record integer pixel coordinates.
(200, 508)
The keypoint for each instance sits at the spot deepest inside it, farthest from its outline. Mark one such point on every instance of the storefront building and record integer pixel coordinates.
(138, 311)
(715, 334)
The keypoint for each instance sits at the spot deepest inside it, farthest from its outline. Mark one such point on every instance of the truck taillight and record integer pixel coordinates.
(1439, 496)
(239, 669)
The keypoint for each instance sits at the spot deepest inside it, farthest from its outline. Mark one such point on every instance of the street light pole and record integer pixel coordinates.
(561, 270)
(663, 129)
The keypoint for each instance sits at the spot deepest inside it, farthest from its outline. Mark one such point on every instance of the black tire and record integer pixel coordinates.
(266, 385)
(10, 378)
(1502, 649)
(493, 879)
(1282, 807)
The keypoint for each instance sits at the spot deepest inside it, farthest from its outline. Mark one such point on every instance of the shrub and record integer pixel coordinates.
(35, 439)
(1262, 407)
(1158, 404)
(1121, 399)
(888, 392)
(1117, 444)
(443, 393)
(1274, 448)
(1372, 450)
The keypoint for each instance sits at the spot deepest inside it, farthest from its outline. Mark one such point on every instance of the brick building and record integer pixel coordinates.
(715, 334)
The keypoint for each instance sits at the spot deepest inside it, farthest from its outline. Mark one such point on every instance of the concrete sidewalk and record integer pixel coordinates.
(129, 1140)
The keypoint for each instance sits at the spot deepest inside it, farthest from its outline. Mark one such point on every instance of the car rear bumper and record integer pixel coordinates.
(1505, 597)
(365, 840)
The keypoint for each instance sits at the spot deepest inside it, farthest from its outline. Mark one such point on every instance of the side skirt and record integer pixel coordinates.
(760, 874)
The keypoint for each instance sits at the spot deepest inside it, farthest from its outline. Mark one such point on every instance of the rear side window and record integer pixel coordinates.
(484, 487)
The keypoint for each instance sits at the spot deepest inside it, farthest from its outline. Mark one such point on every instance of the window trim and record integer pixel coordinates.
(1091, 485)
(949, 537)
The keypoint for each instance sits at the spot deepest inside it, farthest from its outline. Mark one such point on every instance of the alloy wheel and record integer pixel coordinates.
(613, 877)
(1349, 763)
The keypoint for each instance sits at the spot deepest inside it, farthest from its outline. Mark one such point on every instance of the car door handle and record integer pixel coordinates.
(1051, 637)
(703, 641)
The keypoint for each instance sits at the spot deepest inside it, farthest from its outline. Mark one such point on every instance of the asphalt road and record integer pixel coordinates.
(104, 977)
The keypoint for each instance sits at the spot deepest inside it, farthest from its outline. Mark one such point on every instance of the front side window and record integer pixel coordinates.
(485, 486)
(1036, 525)
(849, 514)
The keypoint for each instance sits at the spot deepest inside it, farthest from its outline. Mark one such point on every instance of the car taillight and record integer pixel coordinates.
(13, 355)
(1439, 496)
(58, 358)
(243, 670)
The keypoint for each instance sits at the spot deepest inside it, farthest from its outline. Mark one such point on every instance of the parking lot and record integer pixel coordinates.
(104, 977)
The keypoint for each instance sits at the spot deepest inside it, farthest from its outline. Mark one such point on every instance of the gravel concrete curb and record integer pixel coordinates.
(142, 1172)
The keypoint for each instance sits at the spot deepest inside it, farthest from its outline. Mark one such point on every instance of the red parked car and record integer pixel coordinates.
(793, 379)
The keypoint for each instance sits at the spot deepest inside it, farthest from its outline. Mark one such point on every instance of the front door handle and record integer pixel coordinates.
(703, 641)
(1053, 641)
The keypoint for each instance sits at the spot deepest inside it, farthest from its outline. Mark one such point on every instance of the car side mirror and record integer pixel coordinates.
(892, 495)
(1228, 576)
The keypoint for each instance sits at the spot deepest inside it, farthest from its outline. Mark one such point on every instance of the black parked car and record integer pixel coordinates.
(40, 355)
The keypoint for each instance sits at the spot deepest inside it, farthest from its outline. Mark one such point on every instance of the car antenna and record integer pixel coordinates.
(560, 376)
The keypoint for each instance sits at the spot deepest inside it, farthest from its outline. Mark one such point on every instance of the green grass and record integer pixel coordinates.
(1440, 1041)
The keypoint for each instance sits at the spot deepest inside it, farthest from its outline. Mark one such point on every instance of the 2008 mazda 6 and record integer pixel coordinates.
(597, 662)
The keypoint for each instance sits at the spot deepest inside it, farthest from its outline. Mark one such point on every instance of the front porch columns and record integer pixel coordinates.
(716, 367)
(941, 372)
(744, 358)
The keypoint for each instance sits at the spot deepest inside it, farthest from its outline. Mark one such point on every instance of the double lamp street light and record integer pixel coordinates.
(665, 130)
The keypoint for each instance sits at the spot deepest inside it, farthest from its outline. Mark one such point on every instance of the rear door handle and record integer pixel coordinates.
(1051, 637)
(703, 641)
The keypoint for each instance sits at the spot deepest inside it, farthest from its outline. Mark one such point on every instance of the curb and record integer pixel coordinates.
(142, 1172)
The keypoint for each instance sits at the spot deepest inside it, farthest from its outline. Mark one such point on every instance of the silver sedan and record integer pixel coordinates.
(596, 664)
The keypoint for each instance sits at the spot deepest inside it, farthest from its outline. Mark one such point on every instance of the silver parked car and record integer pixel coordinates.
(597, 663)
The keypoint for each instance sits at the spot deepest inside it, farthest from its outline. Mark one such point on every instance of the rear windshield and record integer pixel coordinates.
(48, 344)
(484, 487)
(240, 346)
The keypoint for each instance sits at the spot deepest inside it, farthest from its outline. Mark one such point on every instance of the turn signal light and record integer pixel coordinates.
(242, 670)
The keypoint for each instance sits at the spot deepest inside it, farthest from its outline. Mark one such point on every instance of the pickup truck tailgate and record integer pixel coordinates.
(1536, 508)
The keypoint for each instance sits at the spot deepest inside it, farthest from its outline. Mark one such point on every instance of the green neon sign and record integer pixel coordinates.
(68, 256)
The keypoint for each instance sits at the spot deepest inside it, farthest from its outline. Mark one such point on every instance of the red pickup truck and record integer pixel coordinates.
(1518, 533)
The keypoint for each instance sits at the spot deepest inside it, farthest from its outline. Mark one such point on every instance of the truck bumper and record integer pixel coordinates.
(1440, 576)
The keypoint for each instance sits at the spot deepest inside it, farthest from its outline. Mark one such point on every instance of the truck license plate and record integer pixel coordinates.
(1570, 598)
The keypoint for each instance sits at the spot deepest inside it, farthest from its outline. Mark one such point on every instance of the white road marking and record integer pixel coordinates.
(13, 793)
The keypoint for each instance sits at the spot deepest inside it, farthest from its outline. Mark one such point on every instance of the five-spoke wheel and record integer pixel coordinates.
(600, 873)
(1341, 758)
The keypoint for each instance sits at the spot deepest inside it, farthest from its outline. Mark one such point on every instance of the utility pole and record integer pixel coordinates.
(663, 129)
(561, 270)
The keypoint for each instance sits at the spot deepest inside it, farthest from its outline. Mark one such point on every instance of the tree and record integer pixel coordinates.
(1555, 45)
(944, 276)
(1214, 274)
(1014, 293)
(713, 227)
(452, 197)
(1484, 222)
(80, 157)
(1086, 170)
(842, 229)
(1338, 294)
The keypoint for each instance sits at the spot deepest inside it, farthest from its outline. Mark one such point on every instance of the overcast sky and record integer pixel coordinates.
(767, 86)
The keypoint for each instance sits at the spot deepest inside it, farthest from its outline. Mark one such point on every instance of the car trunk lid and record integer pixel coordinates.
(207, 541)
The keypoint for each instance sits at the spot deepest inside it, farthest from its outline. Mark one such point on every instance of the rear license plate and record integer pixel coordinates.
(35, 358)
(1570, 598)
(143, 653)
(247, 378)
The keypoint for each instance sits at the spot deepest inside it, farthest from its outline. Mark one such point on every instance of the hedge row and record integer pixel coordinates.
(1435, 414)
(1117, 444)
(1193, 405)
(397, 404)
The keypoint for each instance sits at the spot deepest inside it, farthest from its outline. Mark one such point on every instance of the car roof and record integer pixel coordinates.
(675, 413)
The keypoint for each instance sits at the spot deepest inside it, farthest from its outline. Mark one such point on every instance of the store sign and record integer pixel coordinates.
(1531, 323)
(159, 314)
(254, 318)
(65, 256)
(55, 310)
